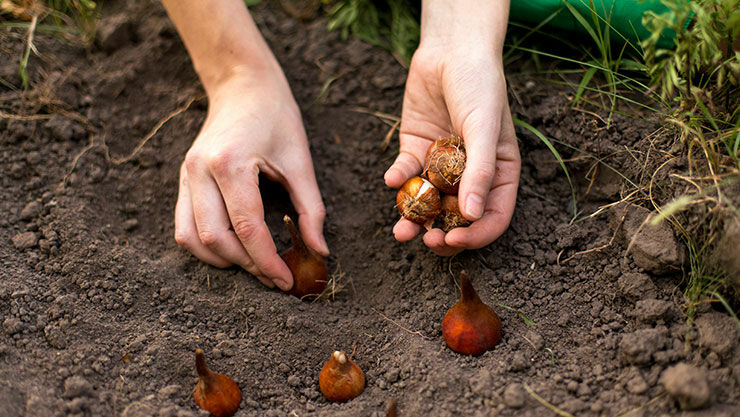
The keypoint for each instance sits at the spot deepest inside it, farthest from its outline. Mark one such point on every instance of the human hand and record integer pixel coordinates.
(456, 81)
(253, 125)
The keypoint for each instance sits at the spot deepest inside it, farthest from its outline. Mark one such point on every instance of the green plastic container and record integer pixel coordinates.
(624, 16)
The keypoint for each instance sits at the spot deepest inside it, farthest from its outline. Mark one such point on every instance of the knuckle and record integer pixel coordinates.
(220, 162)
(192, 161)
(484, 171)
(208, 238)
(184, 239)
(246, 229)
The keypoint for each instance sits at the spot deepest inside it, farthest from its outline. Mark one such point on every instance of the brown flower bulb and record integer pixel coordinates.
(418, 201)
(309, 270)
(451, 217)
(445, 163)
(470, 327)
(216, 393)
(341, 379)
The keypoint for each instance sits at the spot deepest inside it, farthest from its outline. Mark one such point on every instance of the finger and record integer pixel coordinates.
(500, 207)
(405, 230)
(300, 182)
(406, 165)
(480, 135)
(240, 190)
(501, 200)
(186, 233)
(435, 240)
(214, 227)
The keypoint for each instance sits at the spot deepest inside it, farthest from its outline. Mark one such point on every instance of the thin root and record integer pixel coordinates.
(544, 402)
(598, 249)
(143, 142)
(416, 332)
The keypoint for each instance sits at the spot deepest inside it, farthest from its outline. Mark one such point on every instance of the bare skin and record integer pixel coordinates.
(456, 80)
(254, 126)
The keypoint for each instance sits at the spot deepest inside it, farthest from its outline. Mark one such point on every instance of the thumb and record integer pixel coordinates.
(480, 134)
(405, 166)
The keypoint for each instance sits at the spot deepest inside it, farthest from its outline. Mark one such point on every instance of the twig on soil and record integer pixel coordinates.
(642, 406)
(544, 402)
(416, 332)
(387, 118)
(388, 136)
(598, 249)
(24, 117)
(91, 144)
(143, 142)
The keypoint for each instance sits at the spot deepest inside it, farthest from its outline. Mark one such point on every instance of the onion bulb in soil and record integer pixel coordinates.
(341, 379)
(445, 163)
(392, 409)
(216, 393)
(309, 270)
(470, 327)
(418, 200)
(451, 217)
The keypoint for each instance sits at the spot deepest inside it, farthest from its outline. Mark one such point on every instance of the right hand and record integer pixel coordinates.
(253, 125)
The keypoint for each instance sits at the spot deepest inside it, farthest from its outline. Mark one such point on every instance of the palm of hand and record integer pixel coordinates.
(443, 97)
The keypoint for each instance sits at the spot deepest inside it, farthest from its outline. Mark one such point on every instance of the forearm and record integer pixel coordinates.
(465, 22)
(221, 37)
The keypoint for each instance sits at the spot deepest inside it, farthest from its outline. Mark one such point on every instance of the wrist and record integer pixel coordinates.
(464, 24)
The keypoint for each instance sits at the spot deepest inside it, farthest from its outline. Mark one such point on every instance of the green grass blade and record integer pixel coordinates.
(584, 82)
(555, 153)
(582, 20)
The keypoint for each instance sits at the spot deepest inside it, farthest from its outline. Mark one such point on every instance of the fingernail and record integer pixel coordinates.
(283, 285)
(474, 206)
(324, 246)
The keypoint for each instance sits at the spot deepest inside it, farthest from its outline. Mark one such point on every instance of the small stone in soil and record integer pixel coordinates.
(519, 362)
(688, 385)
(639, 347)
(31, 210)
(651, 310)
(130, 225)
(12, 325)
(77, 386)
(25, 240)
(514, 395)
(718, 332)
(634, 286)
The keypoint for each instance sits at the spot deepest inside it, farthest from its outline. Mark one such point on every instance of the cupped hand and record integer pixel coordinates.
(253, 125)
(460, 90)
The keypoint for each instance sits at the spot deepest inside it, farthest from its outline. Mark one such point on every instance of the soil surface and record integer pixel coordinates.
(101, 310)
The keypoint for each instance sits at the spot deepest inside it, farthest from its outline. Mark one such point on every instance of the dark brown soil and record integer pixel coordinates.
(102, 311)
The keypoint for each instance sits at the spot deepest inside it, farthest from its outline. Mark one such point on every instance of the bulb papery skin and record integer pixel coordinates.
(445, 162)
(451, 217)
(341, 379)
(216, 393)
(309, 270)
(471, 327)
(419, 201)
(392, 409)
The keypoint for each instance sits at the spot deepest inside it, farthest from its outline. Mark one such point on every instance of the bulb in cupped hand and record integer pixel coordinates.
(445, 163)
(418, 200)
(216, 393)
(341, 379)
(309, 270)
(451, 216)
(470, 327)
